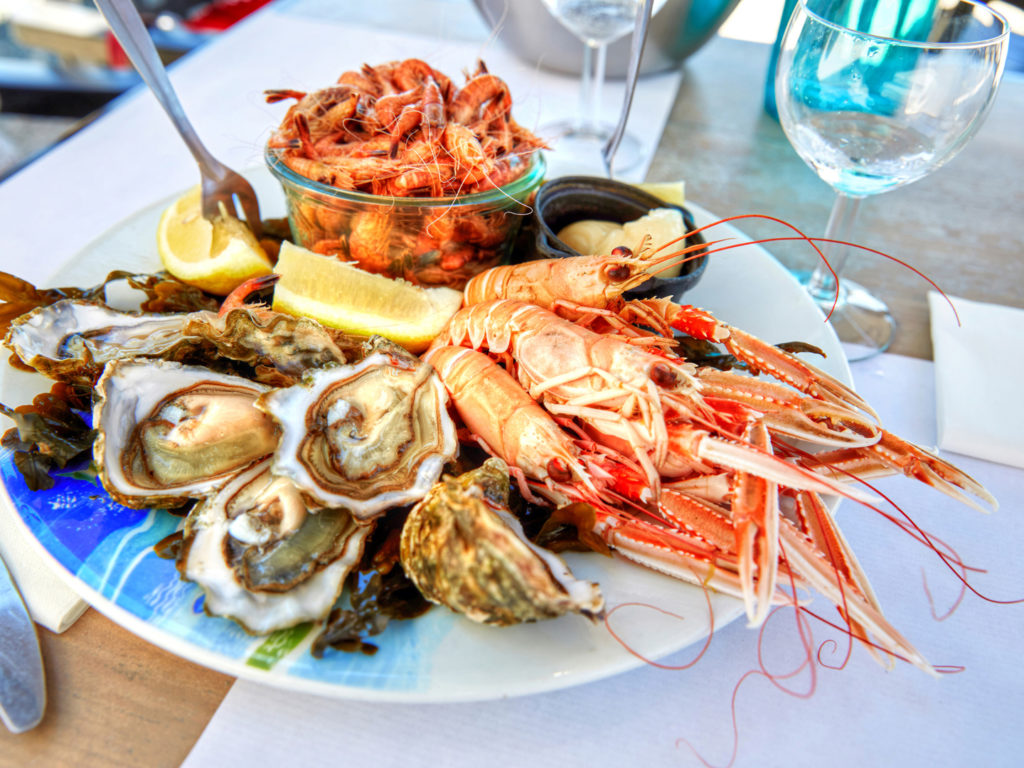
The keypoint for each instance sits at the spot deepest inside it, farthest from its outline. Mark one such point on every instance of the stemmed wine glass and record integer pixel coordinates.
(874, 94)
(596, 23)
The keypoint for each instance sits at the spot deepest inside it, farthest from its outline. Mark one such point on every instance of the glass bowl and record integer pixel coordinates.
(425, 240)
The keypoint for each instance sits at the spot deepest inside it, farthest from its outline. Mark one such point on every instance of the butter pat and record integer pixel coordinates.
(587, 236)
(594, 237)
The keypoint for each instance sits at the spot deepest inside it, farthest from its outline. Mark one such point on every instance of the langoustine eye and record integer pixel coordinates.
(620, 272)
(664, 376)
(559, 471)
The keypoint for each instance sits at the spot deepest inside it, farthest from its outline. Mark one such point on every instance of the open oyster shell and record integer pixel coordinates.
(367, 436)
(463, 549)
(72, 340)
(263, 558)
(168, 432)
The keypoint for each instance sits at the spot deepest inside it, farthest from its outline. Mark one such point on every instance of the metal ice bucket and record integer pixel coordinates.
(678, 29)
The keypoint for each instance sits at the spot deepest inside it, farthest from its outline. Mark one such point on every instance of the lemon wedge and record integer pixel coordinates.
(673, 192)
(216, 256)
(343, 296)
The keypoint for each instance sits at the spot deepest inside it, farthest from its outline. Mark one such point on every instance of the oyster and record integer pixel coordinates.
(367, 436)
(168, 432)
(72, 340)
(463, 549)
(265, 338)
(263, 558)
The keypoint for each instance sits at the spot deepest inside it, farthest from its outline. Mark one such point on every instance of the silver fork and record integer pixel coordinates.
(220, 184)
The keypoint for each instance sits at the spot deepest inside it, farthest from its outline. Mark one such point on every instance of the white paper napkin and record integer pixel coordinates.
(51, 602)
(978, 375)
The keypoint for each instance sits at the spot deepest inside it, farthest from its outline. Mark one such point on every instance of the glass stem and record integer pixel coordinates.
(597, 84)
(586, 89)
(592, 81)
(822, 284)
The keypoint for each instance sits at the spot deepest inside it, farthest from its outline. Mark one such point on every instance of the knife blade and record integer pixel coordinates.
(22, 684)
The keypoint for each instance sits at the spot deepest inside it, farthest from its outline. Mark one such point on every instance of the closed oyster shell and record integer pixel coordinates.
(463, 549)
(264, 558)
(263, 337)
(367, 436)
(168, 432)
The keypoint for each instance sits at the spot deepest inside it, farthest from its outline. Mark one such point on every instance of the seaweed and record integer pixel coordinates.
(50, 433)
(165, 293)
(379, 591)
(706, 353)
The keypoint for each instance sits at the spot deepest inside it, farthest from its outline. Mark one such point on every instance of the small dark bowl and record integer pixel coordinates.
(568, 199)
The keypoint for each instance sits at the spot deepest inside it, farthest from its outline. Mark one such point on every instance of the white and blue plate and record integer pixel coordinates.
(106, 551)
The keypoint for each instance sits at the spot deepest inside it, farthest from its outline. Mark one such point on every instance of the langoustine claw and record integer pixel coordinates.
(893, 455)
(760, 356)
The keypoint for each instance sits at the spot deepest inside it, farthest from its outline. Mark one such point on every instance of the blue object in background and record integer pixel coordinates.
(769, 84)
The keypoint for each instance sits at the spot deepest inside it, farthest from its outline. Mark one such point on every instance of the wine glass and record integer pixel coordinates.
(596, 23)
(875, 94)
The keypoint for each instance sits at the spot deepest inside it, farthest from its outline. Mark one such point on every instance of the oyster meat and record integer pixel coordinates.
(367, 436)
(264, 558)
(462, 548)
(167, 432)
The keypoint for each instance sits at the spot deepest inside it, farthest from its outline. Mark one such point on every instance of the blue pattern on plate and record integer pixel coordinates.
(109, 547)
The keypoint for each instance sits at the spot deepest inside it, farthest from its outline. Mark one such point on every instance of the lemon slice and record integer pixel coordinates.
(216, 256)
(588, 235)
(673, 192)
(346, 297)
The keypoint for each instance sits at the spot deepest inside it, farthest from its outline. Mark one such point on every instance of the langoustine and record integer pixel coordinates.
(737, 519)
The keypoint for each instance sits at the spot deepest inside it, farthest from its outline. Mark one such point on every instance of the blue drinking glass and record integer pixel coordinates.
(875, 94)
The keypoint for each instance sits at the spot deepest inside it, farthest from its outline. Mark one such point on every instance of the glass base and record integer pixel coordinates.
(577, 150)
(862, 322)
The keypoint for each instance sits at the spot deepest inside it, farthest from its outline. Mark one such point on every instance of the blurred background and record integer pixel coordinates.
(59, 65)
